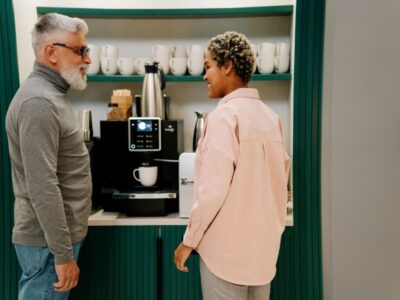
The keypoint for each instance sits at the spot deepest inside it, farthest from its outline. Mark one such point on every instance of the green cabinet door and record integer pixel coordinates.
(118, 263)
(178, 285)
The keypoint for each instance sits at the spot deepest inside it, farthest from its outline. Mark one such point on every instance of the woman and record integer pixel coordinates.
(241, 176)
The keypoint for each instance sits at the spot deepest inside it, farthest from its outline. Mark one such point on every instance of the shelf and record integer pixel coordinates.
(283, 10)
(183, 78)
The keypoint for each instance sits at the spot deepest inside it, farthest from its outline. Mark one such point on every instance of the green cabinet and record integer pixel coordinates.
(118, 263)
(135, 263)
(177, 285)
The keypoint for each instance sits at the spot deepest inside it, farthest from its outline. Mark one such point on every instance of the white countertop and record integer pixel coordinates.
(102, 218)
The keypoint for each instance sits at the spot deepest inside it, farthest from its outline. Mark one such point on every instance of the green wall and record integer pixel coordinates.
(9, 270)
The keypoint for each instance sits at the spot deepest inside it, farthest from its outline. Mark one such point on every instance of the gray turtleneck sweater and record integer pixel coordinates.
(50, 166)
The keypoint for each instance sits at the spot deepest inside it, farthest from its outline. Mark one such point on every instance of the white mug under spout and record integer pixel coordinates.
(147, 175)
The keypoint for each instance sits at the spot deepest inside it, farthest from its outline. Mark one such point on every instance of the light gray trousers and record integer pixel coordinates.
(215, 288)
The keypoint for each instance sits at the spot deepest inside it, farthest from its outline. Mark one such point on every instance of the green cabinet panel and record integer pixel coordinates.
(118, 263)
(282, 287)
(178, 285)
(9, 81)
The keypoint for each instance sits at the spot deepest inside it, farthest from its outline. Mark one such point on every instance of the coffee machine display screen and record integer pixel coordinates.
(144, 134)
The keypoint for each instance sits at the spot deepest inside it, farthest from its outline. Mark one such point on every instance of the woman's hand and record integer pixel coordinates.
(181, 254)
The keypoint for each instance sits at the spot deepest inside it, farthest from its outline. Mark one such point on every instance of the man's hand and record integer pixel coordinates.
(181, 254)
(68, 276)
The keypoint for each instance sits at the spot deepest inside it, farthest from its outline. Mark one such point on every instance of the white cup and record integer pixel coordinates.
(108, 59)
(147, 175)
(126, 65)
(178, 65)
(254, 49)
(195, 65)
(195, 51)
(266, 49)
(179, 51)
(282, 63)
(162, 54)
(265, 65)
(94, 66)
(282, 49)
(139, 65)
(108, 66)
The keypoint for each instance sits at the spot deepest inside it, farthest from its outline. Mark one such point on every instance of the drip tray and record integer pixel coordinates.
(147, 203)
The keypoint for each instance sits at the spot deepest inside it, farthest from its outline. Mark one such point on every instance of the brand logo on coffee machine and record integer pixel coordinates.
(170, 128)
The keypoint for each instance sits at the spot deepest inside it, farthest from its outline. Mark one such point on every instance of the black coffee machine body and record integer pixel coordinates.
(149, 139)
(124, 148)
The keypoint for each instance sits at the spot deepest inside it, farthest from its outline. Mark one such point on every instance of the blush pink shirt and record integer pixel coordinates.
(240, 190)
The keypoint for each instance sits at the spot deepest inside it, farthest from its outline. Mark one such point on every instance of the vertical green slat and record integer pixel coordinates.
(9, 269)
(283, 283)
(178, 285)
(118, 263)
(306, 160)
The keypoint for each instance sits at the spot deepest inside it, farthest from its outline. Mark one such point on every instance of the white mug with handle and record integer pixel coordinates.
(147, 175)
(94, 53)
(282, 64)
(108, 60)
(282, 49)
(265, 65)
(126, 65)
(178, 65)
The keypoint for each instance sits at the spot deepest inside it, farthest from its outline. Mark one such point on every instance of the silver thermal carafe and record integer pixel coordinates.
(198, 128)
(151, 102)
(85, 123)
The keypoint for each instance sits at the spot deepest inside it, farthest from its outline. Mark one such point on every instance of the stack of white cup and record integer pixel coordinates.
(108, 59)
(282, 57)
(272, 57)
(178, 61)
(94, 53)
(195, 62)
(265, 57)
(162, 55)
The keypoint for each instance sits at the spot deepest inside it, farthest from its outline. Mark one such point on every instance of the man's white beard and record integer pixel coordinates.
(73, 77)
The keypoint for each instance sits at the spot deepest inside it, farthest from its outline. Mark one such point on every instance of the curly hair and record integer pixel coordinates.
(233, 46)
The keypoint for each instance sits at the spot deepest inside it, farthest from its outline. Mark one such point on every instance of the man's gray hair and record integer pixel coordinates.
(51, 24)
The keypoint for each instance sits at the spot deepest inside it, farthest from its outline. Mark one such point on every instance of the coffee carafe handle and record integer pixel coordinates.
(162, 76)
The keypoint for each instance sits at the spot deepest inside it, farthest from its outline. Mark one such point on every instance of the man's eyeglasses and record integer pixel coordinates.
(83, 51)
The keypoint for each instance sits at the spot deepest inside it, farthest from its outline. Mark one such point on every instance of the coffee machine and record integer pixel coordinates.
(119, 190)
(144, 140)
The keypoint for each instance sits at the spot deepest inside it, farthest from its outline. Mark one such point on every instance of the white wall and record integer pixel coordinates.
(360, 150)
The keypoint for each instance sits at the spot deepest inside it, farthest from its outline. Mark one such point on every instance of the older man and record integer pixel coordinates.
(50, 163)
